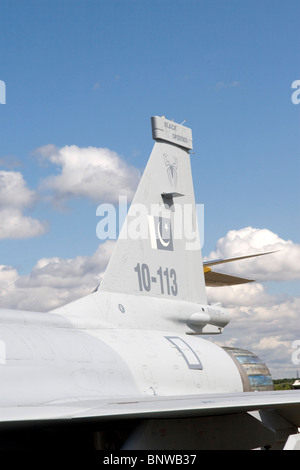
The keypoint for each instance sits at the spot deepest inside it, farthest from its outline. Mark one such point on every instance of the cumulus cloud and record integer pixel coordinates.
(95, 173)
(280, 266)
(14, 191)
(15, 225)
(267, 330)
(53, 281)
(262, 322)
(8, 277)
(15, 197)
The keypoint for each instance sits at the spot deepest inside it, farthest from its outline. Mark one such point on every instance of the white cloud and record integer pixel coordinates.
(13, 190)
(270, 338)
(15, 197)
(53, 281)
(8, 277)
(281, 266)
(262, 322)
(14, 225)
(272, 342)
(95, 173)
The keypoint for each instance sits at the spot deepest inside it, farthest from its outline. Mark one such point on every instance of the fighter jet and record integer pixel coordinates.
(129, 366)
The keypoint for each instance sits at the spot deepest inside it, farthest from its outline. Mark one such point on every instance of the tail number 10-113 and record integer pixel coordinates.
(166, 279)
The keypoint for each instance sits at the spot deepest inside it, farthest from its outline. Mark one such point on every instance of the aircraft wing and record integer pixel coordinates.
(287, 403)
(170, 422)
(215, 279)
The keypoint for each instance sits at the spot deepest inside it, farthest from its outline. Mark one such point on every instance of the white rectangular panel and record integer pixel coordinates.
(170, 131)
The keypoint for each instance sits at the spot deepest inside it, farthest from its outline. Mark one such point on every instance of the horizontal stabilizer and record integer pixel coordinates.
(228, 260)
(213, 279)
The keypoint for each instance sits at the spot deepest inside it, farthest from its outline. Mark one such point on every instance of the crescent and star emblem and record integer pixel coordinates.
(162, 241)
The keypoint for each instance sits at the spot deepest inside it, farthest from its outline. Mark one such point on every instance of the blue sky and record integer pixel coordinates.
(92, 73)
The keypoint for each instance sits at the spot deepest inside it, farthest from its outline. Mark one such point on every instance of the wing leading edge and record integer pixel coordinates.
(218, 421)
(286, 402)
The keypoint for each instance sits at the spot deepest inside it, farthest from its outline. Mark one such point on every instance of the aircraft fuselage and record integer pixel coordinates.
(50, 358)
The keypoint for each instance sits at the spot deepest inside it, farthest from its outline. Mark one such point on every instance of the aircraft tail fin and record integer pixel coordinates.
(158, 252)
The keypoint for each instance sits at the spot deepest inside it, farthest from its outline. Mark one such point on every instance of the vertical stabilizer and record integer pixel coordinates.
(158, 252)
